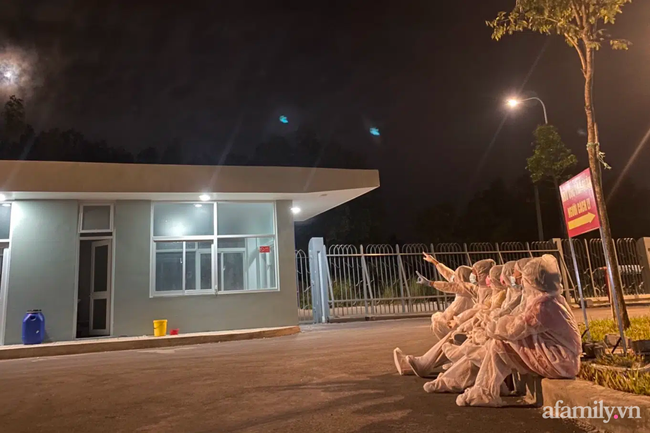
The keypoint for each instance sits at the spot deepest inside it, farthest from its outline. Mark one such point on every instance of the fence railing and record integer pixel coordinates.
(591, 264)
(381, 279)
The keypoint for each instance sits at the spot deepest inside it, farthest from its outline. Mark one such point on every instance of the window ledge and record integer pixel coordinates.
(182, 294)
(241, 292)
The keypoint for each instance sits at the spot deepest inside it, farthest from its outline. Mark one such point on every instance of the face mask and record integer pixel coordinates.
(472, 278)
(513, 282)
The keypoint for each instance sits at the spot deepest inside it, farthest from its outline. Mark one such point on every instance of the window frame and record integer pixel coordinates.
(215, 251)
(111, 216)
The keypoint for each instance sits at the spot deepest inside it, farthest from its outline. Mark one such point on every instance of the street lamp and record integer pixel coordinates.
(513, 103)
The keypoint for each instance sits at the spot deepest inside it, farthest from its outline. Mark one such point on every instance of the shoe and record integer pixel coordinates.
(401, 365)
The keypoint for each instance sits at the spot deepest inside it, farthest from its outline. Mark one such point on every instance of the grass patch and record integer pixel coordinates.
(632, 381)
(640, 329)
(616, 360)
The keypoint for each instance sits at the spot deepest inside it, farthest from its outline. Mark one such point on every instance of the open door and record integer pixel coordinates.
(100, 287)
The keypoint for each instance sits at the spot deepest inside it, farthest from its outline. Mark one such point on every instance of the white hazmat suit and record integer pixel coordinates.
(464, 298)
(426, 365)
(544, 339)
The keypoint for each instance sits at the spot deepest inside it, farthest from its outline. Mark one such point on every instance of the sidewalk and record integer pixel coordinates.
(132, 343)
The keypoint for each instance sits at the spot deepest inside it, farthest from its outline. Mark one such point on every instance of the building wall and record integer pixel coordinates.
(134, 309)
(42, 270)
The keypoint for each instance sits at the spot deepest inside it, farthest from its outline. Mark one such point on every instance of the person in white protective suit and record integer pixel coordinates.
(427, 364)
(468, 358)
(544, 339)
(463, 300)
(482, 271)
(511, 278)
(474, 328)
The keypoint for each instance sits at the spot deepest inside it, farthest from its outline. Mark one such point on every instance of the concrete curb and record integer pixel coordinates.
(582, 393)
(134, 343)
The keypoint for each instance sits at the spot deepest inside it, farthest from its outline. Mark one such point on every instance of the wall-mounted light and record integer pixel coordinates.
(3, 197)
(204, 197)
(295, 210)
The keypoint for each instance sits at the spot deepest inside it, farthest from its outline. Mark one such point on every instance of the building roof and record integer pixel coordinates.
(313, 190)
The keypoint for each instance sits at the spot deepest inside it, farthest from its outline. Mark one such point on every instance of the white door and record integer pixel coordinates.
(4, 285)
(100, 288)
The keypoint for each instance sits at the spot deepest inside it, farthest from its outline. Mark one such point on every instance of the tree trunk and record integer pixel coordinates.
(538, 211)
(593, 149)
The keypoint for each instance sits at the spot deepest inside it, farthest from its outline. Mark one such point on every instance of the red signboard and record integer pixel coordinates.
(579, 204)
(265, 249)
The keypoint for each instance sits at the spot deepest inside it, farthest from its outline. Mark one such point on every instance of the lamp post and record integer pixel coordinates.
(513, 103)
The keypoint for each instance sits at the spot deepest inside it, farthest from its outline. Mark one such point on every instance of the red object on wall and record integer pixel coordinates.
(265, 249)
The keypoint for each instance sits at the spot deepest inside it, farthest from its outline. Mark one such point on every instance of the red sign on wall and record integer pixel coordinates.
(265, 249)
(579, 204)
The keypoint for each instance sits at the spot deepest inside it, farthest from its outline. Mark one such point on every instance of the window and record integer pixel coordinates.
(5, 220)
(205, 247)
(96, 218)
(183, 266)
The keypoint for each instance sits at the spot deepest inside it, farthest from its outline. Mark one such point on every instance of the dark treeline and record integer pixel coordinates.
(498, 213)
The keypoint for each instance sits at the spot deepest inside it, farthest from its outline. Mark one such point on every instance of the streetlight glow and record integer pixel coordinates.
(512, 103)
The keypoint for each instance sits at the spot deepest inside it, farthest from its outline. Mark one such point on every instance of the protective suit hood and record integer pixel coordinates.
(495, 278)
(462, 274)
(543, 274)
(521, 264)
(507, 272)
(482, 270)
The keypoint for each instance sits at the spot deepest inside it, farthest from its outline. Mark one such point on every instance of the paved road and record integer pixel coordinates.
(334, 378)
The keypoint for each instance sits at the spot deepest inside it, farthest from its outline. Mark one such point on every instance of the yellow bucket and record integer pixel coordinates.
(159, 328)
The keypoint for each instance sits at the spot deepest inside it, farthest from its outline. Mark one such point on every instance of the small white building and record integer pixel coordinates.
(105, 249)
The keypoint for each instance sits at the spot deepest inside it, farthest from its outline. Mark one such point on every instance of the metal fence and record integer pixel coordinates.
(591, 263)
(381, 279)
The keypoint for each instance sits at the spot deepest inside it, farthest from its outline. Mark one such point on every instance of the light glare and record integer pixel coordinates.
(295, 210)
(204, 197)
(512, 103)
(3, 197)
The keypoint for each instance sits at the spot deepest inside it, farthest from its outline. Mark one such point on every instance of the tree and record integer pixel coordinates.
(14, 123)
(551, 159)
(580, 22)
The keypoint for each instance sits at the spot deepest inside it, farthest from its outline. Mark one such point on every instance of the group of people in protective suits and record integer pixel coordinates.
(504, 319)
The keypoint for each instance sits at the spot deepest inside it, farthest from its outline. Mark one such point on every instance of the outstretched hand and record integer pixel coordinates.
(429, 258)
(422, 279)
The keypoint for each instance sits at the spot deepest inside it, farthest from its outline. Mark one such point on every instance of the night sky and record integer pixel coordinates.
(143, 73)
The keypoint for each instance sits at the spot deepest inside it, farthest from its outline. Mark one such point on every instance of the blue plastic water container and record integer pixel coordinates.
(33, 327)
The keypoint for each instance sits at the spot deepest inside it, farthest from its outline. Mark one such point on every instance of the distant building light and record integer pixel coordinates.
(284, 119)
(375, 132)
(198, 205)
(6, 204)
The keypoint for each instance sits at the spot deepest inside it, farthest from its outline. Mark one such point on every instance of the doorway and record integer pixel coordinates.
(95, 288)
